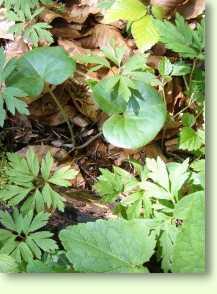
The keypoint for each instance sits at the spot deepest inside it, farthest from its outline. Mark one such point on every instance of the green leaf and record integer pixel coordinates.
(188, 120)
(167, 241)
(107, 98)
(179, 37)
(145, 33)
(47, 64)
(129, 10)
(39, 221)
(33, 162)
(63, 176)
(190, 139)
(133, 131)
(46, 165)
(8, 264)
(92, 59)
(189, 249)
(109, 246)
(52, 64)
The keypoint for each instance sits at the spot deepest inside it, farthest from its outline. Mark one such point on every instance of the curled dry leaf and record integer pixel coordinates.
(5, 25)
(101, 35)
(192, 9)
(168, 4)
(74, 13)
(188, 8)
(16, 48)
(72, 47)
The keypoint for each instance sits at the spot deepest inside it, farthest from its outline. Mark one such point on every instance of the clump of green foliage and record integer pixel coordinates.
(162, 195)
(25, 15)
(21, 237)
(34, 183)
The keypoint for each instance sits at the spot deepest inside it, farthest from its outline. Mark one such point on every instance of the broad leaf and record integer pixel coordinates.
(129, 130)
(189, 250)
(109, 246)
(145, 33)
(107, 96)
(129, 10)
(47, 64)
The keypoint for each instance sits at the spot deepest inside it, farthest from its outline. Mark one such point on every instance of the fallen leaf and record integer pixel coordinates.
(5, 25)
(16, 48)
(101, 35)
(192, 9)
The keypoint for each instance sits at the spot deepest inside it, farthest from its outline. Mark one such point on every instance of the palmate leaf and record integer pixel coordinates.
(33, 182)
(9, 96)
(109, 246)
(20, 239)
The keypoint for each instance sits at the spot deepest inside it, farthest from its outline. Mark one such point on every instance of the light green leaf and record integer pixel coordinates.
(8, 264)
(145, 33)
(109, 246)
(105, 96)
(133, 131)
(189, 249)
(129, 10)
(190, 139)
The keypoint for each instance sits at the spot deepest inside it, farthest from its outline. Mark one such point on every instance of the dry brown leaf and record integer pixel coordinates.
(79, 14)
(5, 25)
(72, 47)
(16, 48)
(169, 6)
(192, 9)
(66, 32)
(101, 35)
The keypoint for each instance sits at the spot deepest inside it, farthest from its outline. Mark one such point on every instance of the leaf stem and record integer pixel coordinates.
(65, 116)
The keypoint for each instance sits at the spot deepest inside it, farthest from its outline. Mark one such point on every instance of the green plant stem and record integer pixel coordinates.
(65, 116)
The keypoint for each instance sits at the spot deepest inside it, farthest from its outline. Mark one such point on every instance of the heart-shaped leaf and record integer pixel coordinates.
(130, 130)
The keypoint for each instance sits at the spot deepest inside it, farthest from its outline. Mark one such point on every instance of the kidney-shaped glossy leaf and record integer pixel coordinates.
(131, 131)
(47, 64)
(109, 246)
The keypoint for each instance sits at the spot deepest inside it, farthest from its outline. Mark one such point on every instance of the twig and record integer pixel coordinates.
(86, 143)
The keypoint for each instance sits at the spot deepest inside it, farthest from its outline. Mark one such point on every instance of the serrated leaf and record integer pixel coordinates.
(109, 246)
(63, 176)
(190, 139)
